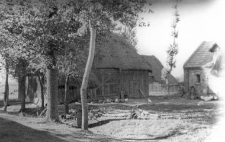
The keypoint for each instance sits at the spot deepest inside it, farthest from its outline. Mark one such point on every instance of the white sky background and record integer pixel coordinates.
(201, 20)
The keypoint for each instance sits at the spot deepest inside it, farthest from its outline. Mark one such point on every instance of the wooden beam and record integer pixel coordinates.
(142, 92)
(104, 81)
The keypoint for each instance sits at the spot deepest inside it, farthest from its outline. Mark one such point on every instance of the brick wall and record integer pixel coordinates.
(197, 78)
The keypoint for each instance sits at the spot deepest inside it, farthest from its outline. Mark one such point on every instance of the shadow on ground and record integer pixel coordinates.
(11, 102)
(89, 137)
(103, 122)
(12, 131)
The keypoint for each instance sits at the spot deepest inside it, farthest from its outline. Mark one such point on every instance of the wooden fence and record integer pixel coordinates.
(157, 89)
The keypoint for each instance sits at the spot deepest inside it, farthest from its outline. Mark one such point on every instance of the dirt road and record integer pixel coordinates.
(177, 120)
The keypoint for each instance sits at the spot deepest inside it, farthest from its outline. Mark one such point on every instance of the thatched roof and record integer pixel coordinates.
(114, 52)
(202, 55)
(156, 69)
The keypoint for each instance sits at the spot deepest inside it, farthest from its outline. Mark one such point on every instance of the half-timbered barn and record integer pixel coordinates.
(121, 71)
(118, 71)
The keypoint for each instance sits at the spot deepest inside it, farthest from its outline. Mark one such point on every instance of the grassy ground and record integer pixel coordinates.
(172, 119)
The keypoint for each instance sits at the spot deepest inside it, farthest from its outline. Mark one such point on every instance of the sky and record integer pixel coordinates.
(201, 20)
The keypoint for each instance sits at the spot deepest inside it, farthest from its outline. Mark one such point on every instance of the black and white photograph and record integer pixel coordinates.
(112, 70)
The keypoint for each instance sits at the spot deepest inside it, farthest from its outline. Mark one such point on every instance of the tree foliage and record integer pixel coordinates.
(173, 48)
(42, 32)
(39, 32)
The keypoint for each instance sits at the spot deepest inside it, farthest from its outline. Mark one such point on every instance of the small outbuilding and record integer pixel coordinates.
(157, 86)
(195, 71)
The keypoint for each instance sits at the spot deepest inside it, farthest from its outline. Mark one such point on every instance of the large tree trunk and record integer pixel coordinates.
(52, 93)
(22, 83)
(22, 91)
(6, 95)
(66, 102)
(42, 90)
(83, 90)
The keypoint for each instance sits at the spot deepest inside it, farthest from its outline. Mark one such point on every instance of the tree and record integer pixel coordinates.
(41, 79)
(71, 64)
(43, 29)
(4, 56)
(173, 48)
(8, 58)
(83, 90)
(6, 93)
(58, 32)
(10, 30)
(20, 65)
(101, 16)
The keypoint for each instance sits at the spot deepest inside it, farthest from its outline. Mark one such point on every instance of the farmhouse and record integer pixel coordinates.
(196, 72)
(157, 85)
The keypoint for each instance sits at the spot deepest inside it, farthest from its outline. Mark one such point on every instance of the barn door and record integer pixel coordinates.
(135, 89)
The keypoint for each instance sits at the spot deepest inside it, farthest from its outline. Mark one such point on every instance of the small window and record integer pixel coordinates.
(150, 73)
(198, 77)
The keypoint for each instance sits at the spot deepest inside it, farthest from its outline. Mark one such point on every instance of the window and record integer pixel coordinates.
(150, 74)
(198, 77)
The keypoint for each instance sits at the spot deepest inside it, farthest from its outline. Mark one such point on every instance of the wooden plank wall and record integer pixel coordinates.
(128, 82)
(157, 89)
(132, 81)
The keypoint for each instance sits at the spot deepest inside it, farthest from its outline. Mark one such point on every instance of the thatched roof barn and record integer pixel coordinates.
(120, 69)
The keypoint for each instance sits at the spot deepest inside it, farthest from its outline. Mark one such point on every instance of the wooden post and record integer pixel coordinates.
(94, 93)
(122, 95)
(103, 85)
(119, 85)
(91, 94)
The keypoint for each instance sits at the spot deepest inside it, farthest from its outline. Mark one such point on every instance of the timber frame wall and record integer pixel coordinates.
(115, 83)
